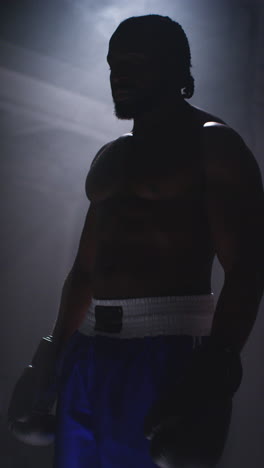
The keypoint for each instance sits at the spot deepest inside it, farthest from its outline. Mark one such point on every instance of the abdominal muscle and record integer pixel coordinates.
(151, 260)
(152, 233)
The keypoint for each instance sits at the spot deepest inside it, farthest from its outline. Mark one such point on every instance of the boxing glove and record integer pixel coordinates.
(190, 426)
(29, 413)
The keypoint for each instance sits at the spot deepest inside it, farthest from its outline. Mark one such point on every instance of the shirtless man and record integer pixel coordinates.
(137, 331)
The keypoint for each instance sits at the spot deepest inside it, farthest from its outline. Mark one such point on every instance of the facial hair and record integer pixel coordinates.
(137, 104)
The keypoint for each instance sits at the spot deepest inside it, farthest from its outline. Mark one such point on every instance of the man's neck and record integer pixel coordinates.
(160, 118)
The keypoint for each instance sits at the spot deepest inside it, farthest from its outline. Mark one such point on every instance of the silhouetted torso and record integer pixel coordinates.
(149, 196)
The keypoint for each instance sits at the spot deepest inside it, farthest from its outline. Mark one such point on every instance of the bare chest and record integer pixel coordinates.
(151, 218)
(149, 172)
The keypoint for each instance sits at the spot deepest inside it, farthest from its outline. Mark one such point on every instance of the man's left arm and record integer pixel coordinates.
(190, 426)
(235, 201)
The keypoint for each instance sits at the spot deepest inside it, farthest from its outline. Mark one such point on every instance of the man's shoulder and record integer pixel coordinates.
(117, 141)
(227, 158)
(112, 144)
(203, 117)
(222, 141)
(216, 131)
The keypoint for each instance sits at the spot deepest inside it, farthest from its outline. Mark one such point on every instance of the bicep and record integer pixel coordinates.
(87, 246)
(86, 252)
(235, 203)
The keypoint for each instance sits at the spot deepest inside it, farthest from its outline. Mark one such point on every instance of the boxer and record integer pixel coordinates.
(146, 363)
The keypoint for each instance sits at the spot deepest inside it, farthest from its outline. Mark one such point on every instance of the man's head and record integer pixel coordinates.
(149, 58)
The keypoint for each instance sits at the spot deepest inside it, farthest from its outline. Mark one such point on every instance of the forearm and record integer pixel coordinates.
(237, 307)
(75, 300)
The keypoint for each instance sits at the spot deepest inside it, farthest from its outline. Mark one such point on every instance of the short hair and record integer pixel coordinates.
(166, 38)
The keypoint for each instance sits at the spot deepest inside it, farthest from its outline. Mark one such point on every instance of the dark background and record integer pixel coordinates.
(56, 111)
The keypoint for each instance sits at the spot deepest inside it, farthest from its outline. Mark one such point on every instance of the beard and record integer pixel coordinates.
(134, 106)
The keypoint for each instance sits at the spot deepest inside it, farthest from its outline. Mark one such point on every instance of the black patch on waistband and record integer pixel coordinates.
(108, 319)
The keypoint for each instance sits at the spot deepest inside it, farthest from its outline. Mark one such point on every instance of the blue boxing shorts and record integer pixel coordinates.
(127, 354)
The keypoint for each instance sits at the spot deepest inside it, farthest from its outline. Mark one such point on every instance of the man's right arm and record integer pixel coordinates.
(76, 292)
(29, 413)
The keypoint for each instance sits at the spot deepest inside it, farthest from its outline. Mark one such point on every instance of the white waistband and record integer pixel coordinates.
(152, 316)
